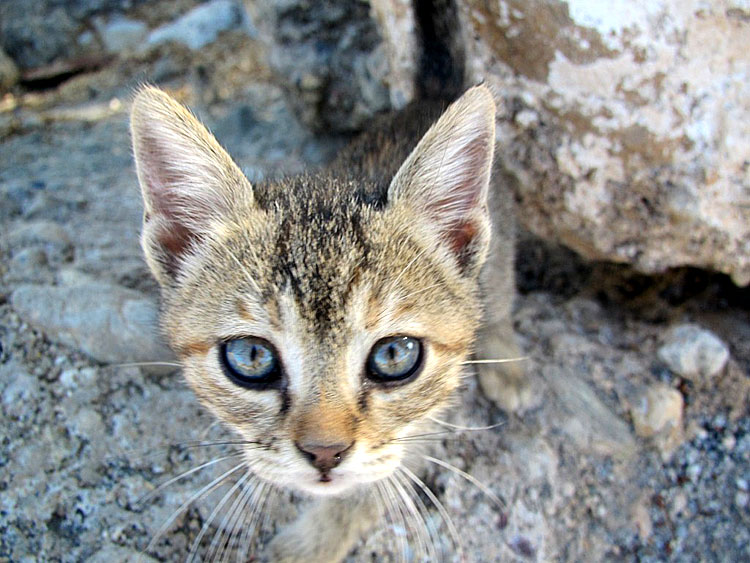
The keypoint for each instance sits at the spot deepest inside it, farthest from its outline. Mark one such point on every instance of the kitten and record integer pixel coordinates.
(325, 317)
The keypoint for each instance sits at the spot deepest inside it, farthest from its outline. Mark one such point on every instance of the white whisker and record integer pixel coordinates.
(397, 511)
(145, 364)
(420, 514)
(470, 478)
(257, 501)
(242, 267)
(466, 428)
(238, 517)
(204, 491)
(187, 473)
(497, 361)
(204, 528)
(441, 509)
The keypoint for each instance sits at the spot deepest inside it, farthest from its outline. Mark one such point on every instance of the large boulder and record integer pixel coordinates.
(627, 124)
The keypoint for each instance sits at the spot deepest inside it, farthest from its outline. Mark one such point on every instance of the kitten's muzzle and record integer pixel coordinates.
(324, 457)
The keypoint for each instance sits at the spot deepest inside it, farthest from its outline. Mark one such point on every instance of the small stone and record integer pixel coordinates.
(641, 518)
(201, 25)
(48, 235)
(523, 547)
(108, 322)
(742, 499)
(526, 118)
(8, 72)
(742, 484)
(121, 34)
(118, 553)
(693, 352)
(679, 504)
(657, 414)
(729, 442)
(568, 490)
(694, 471)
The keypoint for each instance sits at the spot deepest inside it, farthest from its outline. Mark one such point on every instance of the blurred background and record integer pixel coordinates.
(623, 130)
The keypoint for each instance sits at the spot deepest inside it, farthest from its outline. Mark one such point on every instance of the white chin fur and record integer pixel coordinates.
(340, 482)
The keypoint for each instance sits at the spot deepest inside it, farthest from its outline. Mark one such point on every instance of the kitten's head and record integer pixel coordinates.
(321, 322)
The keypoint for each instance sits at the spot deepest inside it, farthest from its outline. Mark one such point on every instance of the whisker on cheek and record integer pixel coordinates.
(497, 361)
(145, 364)
(441, 509)
(141, 501)
(257, 501)
(200, 494)
(467, 428)
(470, 478)
(204, 528)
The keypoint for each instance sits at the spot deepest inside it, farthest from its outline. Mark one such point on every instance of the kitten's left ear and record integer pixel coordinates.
(446, 177)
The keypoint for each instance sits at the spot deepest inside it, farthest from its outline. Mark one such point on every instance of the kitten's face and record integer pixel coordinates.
(323, 328)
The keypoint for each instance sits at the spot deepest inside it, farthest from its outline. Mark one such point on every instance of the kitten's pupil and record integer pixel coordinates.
(392, 352)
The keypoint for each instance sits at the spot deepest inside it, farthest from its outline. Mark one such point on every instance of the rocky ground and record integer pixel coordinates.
(638, 445)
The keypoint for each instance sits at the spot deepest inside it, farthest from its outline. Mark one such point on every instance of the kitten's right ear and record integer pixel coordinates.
(188, 181)
(446, 177)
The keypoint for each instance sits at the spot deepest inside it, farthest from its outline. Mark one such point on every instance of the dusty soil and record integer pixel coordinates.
(85, 439)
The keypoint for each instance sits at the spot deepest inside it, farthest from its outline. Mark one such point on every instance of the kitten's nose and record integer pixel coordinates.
(323, 457)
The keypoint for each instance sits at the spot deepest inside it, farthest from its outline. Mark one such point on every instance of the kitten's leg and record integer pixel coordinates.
(504, 383)
(326, 531)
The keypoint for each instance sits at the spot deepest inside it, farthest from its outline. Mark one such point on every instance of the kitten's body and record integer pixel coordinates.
(321, 269)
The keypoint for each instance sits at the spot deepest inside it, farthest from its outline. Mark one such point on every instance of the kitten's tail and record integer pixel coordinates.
(442, 63)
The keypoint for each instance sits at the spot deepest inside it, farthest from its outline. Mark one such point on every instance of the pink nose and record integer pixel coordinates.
(323, 457)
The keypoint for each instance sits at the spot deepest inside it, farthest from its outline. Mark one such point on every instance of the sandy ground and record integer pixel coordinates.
(86, 438)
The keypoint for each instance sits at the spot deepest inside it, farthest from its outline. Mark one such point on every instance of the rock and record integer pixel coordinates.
(35, 32)
(49, 236)
(201, 25)
(627, 135)
(693, 352)
(8, 72)
(640, 154)
(590, 423)
(331, 59)
(121, 34)
(19, 389)
(110, 323)
(657, 414)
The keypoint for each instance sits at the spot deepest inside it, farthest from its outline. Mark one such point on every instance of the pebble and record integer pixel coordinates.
(108, 322)
(121, 34)
(657, 414)
(693, 352)
(742, 499)
(47, 235)
(8, 71)
(201, 25)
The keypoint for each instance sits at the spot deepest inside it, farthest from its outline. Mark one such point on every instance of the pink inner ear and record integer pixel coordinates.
(161, 183)
(168, 203)
(463, 192)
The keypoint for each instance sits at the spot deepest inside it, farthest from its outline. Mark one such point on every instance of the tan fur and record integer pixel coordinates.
(389, 240)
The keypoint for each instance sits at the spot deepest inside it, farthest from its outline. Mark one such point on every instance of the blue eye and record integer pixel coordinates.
(394, 359)
(250, 362)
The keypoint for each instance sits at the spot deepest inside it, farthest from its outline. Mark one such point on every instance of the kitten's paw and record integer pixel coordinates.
(288, 547)
(325, 532)
(509, 391)
(505, 384)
